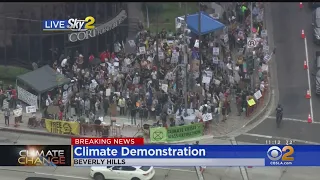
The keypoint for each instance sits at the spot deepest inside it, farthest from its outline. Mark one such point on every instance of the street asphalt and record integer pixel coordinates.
(288, 22)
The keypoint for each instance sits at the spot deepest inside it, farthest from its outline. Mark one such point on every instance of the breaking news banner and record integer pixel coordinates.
(194, 155)
(35, 155)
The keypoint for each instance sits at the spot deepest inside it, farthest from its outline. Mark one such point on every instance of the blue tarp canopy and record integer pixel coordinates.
(208, 24)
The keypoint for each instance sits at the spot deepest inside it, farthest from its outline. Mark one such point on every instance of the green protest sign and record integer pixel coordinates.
(158, 135)
(179, 133)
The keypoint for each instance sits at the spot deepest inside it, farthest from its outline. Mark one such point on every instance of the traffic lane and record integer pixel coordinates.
(268, 140)
(20, 175)
(65, 173)
(290, 54)
(289, 129)
(7, 138)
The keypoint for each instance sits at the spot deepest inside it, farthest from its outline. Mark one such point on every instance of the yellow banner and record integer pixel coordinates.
(62, 127)
(251, 102)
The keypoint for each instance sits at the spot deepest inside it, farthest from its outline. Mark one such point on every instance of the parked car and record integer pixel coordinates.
(314, 5)
(316, 25)
(122, 172)
(317, 72)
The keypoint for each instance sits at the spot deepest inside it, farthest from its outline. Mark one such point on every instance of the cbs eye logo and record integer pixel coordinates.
(285, 154)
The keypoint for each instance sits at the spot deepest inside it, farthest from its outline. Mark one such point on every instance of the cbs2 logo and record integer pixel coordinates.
(285, 154)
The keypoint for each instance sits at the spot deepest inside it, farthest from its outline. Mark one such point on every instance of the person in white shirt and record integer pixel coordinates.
(154, 74)
(64, 62)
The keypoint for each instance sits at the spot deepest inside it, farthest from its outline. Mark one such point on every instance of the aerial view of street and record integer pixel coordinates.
(228, 66)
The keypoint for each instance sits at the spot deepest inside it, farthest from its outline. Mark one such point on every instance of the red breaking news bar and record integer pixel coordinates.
(107, 141)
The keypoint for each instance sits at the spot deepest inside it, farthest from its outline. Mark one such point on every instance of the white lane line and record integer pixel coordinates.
(281, 138)
(60, 175)
(308, 71)
(181, 170)
(291, 119)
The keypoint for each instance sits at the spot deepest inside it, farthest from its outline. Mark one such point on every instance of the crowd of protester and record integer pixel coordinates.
(141, 85)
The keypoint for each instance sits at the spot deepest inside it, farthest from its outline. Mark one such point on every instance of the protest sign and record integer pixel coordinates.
(265, 68)
(196, 44)
(108, 92)
(257, 95)
(161, 55)
(267, 58)
(175, 57)
(142, 50)
(164, 87)
(62, 127)
(17, 112)
(132, 43)
(178, 133)
(265, 49)
(215, 51)
(215, 60)
(31, 109)
(206, 79)
(5, 104)
(251, 102)
(226, 38)
(264, 33)
(207, 117)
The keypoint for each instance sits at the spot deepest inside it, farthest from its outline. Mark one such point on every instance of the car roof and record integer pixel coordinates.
(103, 167)
(318, 12)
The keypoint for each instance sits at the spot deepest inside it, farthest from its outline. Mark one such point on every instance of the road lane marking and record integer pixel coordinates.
(181, 170)
(61, 175)
(291, 119)
(281, 138)
(308, 71)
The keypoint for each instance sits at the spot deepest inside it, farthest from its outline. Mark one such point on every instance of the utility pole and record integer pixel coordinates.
(251, 34)
(200, 54)
(157, 42)
(186, 62)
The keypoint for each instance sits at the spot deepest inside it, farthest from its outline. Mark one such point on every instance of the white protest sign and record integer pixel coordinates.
(196, 44)
(264, 33)
(5, 104)
(265, 68)
(17, 112)
(27, 97)
(215, 51)
(206, 79)
(164, 87)
(215, 60)
(207, 117)
(161, 55)
(251, 43)
(265, 49)
(31, 109)
(226, 38)
(132, 43)
(267, 58)
(257, 95)
(108, 92)
(142, 50)
(175, 57)
(209, 73)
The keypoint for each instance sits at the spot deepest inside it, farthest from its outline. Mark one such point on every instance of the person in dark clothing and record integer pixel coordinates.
(105, 105)
(133, 115)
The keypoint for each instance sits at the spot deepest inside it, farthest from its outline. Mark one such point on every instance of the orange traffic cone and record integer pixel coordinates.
(305, 65)
(300, 5)
(302, 34)
(309, 119)
(308, 95)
